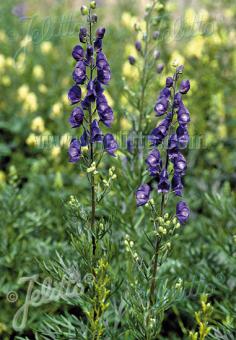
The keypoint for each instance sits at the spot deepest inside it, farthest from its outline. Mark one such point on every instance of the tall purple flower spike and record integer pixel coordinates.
(87, 57)
(170, 105)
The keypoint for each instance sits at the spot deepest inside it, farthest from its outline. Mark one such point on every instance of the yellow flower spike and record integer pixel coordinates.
(46, 47)
(31, 140)
(10, 62)
(42, 88)
(2, 177)
(56, 110)
(195, 46)
(38, 72)
(26, 41)
(130, 71)
(131, 50)
(64, 98)
(3, 37)
(31, 103)
(6, 81)
(125, 124)
(38, 125)
(22, 92)
(65, 140)
(177, 59)
(55, 152)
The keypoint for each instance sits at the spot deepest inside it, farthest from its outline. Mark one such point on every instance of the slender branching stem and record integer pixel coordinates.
(91, 146)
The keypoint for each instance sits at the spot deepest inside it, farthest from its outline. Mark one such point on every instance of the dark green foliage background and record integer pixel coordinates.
(35, 185)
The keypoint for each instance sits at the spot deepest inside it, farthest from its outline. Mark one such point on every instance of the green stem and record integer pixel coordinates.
(92, 179)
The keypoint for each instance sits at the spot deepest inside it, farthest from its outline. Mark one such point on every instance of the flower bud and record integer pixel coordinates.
(155, 35)
(93, 4)
(100, 32)
(94, 18)
(132, 60)
(84, 10)
(138, 46)
(156, 54)
(160, 68)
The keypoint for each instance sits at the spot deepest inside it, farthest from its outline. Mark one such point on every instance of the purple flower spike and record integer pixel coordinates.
(184, 86)
(177, 185)
(76, 118)
(79, 74)
(164, 184)
(180, 164)
(74, 151)
(96, 132)
(74, 94)
(110, 144)
(78, 53)
(154, 162)
(98, 44)
(182, 212)
(143, 194)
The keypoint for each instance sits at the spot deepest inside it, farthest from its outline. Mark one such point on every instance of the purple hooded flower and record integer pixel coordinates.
(182, 212)
(177, 185)
(160, 132)
(74, 94)
(76, 118)
(84, 139)
(74, 151)
(154, 162)
(183, 115)
(177, 100)
(110, 144)
(130, 145)
(161, 106)
(143, 194)
(83, 34)
(164, 184)
(184, 86)
(180, 164)
(89, 54)
(100, 32)
(98, 44)
(183, 136)
(104, 110)
(173, 149)
(165, 93)
(78, 53)
(169, 81)
(96, 132)
(79, 74)
(103, 68)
